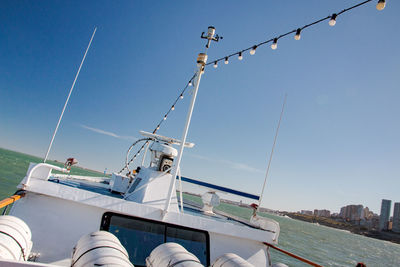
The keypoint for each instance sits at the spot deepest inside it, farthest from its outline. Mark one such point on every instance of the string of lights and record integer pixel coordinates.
(172, 108)
(332, 21)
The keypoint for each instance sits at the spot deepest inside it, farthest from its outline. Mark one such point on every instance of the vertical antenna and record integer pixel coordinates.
(272, 152)
(66, 102)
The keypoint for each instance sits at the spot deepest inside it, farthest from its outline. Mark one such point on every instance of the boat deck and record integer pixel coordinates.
(101, 186)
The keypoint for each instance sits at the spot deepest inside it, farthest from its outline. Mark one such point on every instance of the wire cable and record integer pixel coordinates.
(180, 96)
(215, 62)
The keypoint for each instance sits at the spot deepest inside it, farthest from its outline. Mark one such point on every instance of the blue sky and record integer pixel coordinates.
(339, 138)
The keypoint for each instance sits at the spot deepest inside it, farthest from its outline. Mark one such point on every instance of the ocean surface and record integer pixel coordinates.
(320, 244)
(331, 247)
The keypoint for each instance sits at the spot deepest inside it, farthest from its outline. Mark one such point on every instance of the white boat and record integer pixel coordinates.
(141, 209)
(133, 219)
(60, 209)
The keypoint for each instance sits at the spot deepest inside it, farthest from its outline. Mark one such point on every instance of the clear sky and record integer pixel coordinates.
(339, 137)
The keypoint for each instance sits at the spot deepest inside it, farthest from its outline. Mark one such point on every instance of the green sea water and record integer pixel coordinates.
(13, 167)
(320, 244)
(323, 245)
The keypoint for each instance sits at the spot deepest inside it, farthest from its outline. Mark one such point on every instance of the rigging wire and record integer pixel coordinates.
(332, 21)
(130, 148)
(172, 108)
(252, 49)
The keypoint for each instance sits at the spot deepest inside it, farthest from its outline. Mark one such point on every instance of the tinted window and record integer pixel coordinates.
(194, 242)
(140, 237)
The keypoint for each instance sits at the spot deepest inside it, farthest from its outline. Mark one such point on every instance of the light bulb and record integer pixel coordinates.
(297, 36)
(173, 108)
(190, 83)
(253, 50)
(215, 64)
(165, 117)
(181, 96)
(226, 60)
(240, 57)
(274, 44)
(381, 4)
(332, 21)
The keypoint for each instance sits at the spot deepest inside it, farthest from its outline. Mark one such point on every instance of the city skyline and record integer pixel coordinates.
(338, 141)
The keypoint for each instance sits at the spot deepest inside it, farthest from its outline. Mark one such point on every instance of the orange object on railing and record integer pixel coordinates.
(293, 255)
(9, 200)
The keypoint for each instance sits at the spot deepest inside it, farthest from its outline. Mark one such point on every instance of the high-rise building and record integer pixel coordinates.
(385, 214)
(396, 218)
(351, 212)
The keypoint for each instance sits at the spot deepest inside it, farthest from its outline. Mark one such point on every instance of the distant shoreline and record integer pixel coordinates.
(355, 229)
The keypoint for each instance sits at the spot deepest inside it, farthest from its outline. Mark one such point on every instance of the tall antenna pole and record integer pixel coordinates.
(201, 62)
(69, 95)
(272, 152)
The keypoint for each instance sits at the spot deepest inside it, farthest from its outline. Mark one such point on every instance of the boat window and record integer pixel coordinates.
(140, 236)
(194, 242)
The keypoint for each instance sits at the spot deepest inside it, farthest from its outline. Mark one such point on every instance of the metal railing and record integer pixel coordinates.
(293, 255)
(5, 203)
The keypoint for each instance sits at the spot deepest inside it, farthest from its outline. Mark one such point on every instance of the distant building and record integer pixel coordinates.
(385, 214)
(396, 218)
(375, 222)
(366, 214)
(322, 213)
(306, 212)
(353, 212)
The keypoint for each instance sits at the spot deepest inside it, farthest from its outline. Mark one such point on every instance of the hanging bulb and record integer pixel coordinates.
(215, 64)
(190, 83)
(297, 36)
(181, 96)
(240, 57)
(381, 4)
(173, 107)
(275, 44)
(253, 50)
(226, 60)
(332, 22)
(165, 117)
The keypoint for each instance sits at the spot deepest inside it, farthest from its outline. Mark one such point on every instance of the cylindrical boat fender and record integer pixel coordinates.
(231, 260)
(100, 248)
(15, 239)
(172, 255)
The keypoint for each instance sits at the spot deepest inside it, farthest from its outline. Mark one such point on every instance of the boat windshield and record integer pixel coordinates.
(140, 236)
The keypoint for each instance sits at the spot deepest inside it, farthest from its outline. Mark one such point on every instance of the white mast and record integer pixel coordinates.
(201, 62)
(66, 102)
